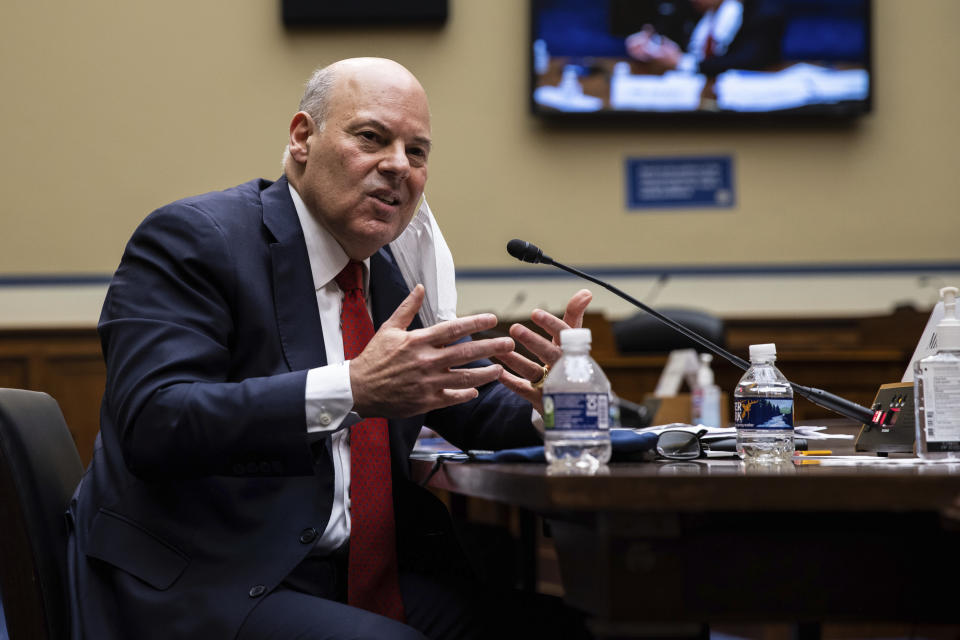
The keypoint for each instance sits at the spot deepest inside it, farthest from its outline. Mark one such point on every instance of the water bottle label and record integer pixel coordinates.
(576, 411)
(763, 413)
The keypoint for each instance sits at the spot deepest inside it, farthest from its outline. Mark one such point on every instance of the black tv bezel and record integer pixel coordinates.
(313, 13)
(840, 113)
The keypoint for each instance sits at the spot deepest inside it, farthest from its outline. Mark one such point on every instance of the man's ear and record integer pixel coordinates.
(301, 128)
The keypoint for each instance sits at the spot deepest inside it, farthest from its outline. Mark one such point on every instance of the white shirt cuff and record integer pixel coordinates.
(329, 397)
(688, 62)
(537, 421)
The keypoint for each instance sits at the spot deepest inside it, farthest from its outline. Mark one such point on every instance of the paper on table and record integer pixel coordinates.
(820, 433)
(859, 460)
(803, 431)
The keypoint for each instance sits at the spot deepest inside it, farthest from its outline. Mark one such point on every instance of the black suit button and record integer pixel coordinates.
(257, 590)
(308, 535)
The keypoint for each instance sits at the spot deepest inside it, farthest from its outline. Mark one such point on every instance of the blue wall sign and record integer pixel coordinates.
(696, 181)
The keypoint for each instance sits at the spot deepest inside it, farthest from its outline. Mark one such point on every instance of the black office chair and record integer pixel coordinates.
(39, 470)
(642, 333)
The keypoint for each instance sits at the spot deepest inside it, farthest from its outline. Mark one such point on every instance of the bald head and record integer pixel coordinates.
(321, 85)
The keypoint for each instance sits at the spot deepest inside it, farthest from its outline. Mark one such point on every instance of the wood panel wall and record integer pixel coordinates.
(67, 364)
(851, 357)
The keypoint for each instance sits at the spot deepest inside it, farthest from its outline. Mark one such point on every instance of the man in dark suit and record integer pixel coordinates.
(223, 499)
(730, 34)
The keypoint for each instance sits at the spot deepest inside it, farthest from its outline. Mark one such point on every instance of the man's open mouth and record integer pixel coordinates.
(387, 199)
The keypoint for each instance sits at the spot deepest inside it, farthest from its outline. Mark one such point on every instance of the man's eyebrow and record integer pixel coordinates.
(377, 124)
(424, 141)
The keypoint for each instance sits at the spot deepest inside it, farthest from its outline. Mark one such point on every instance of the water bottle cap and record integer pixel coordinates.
(763, 351)
(575, 337)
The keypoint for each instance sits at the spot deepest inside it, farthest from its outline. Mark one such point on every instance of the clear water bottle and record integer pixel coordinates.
(576, 407)
(763, 410)
(936, 389)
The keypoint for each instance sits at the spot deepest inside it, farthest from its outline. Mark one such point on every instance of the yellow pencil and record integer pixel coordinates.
(815, 452)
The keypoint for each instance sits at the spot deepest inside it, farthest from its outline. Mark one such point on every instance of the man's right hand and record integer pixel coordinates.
(659, 51)
(641, 45)
(402, 373)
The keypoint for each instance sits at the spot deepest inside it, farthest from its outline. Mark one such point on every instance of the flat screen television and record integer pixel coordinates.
(596, 59)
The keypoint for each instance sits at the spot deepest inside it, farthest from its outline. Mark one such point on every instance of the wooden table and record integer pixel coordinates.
(718, 541)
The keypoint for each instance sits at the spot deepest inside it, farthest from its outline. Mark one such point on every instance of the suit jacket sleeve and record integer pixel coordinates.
(496, 419)
(175, 391)
(756, 46)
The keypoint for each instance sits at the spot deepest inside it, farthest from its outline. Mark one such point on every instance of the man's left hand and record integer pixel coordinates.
(525, 372)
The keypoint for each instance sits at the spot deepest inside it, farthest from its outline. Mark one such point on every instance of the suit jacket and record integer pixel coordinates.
(204, 491)
(757, 42)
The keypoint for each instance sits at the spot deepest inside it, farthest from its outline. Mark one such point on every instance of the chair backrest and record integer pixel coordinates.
(39, 470)
(642, 333)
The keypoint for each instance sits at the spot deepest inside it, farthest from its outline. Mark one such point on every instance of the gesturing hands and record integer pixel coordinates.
(402, 373)
(525, 371)
(649, 46)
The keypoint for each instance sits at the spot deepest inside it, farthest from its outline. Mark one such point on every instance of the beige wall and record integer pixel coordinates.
(111, 109)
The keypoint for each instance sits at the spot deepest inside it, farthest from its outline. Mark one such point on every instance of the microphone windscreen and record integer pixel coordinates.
(523, 250)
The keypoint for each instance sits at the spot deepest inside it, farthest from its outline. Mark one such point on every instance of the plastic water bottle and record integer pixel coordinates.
(936, 389)
(570, 82)
(763, 410)
(576, 405)
(706, 398)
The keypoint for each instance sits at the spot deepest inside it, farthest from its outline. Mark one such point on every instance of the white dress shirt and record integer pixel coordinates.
(721, 25)
(422, 257)
(329, 398)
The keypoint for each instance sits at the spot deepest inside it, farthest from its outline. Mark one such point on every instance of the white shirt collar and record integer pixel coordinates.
(327, 257)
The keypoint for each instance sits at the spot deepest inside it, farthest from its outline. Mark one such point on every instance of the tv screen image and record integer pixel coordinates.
(630, 57)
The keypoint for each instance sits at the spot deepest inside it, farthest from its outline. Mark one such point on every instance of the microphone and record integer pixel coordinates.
(528, 252)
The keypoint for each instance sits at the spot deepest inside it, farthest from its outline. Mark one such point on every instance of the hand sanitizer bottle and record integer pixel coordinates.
(706, 396)
(936, 389)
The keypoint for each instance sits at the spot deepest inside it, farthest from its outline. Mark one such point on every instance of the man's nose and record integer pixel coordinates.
(395, 160)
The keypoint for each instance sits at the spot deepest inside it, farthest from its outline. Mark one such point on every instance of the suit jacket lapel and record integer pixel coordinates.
(387, 288)
(294, 296)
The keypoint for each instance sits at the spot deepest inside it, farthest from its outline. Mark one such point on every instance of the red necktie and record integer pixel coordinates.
(710, 44)
(372, 566)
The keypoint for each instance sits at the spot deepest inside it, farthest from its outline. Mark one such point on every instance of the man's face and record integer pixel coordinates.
(366, 168)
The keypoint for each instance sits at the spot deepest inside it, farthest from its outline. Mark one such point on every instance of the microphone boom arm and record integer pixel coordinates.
(819, 397)
(673, 324)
